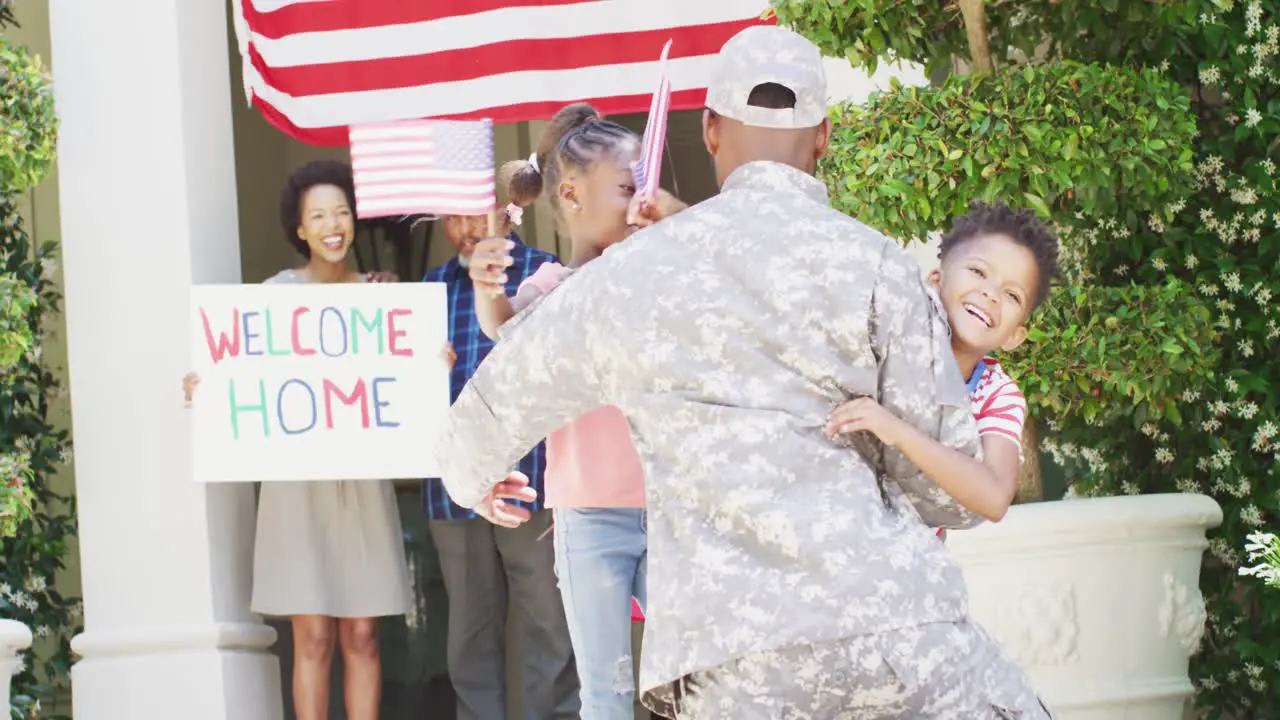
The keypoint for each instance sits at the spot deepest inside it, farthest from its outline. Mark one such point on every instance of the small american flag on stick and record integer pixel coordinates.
(647, 168)
(437, 167)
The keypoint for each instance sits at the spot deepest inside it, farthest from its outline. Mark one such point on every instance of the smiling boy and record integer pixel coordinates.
(996, 268)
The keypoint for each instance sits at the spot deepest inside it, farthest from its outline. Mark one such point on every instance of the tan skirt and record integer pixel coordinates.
(329, 548)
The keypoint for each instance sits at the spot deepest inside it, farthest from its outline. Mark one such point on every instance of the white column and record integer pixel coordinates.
(148, 204)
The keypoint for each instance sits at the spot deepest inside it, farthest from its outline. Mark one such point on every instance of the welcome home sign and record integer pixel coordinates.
(317, 382)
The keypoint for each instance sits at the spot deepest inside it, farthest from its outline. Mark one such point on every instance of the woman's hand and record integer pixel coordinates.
(489, 262)
(382, 277)
(189, 383)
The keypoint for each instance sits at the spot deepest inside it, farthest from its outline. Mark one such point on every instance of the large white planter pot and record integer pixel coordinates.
(14, 638)
(1098, 599)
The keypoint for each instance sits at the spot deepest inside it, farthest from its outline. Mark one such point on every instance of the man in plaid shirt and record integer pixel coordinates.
(483, 564)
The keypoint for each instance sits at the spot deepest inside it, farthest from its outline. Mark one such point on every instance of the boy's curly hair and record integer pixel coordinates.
(1021, 226)
(317, 172)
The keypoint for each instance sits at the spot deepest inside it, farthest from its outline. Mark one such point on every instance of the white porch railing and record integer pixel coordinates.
(14, 638)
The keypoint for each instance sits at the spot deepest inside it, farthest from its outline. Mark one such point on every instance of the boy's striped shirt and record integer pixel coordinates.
(999, 408)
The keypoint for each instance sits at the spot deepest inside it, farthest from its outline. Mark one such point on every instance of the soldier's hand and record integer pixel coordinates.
(495, 506)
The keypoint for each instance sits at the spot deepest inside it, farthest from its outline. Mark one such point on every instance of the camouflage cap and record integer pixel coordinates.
(769, 54)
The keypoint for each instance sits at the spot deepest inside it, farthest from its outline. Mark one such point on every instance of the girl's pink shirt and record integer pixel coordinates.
(591, 462)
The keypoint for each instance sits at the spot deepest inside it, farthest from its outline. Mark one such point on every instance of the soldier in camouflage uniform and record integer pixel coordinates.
(786, 579)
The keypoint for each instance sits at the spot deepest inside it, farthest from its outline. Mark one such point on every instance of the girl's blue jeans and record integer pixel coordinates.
(600, 563)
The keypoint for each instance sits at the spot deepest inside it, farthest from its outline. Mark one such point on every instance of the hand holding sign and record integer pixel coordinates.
(189, 383)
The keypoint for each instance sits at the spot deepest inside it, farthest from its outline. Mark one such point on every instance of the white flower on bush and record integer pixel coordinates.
(1246, 195)
(1251, 515)
(48, 268)
(1222, 550)
(1263, 549)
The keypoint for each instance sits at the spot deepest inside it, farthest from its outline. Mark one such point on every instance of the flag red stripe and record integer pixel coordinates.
(653, 161)
(417, 209)
(420, 196)
(355, 14)
(363, 180)
(496, 59)
(456, 191)
(336, 136)
(471, 187)
(367, 152)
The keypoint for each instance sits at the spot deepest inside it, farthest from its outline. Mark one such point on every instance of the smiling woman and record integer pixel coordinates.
(317, 213)
(328, 555)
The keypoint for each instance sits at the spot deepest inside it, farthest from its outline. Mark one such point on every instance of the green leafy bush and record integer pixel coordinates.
(15, 332)
(1070, 136)
(1119, 353)
(28, 122)
(868, 32)
(15, 342)
(34, 550)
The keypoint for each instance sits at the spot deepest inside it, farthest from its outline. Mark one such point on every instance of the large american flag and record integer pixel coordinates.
(314, 67)
(438, 167)
(646, 169)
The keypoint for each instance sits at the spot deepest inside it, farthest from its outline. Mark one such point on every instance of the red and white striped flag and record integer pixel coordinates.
(314, 67)
(437, 167)
(648, 167)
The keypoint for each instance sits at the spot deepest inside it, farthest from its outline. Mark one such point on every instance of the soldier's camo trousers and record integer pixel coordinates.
(945, 671)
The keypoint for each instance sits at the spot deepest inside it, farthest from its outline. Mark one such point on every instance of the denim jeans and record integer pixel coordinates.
(600, 563)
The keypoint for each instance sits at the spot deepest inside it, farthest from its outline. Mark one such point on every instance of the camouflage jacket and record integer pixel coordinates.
(726, 334)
